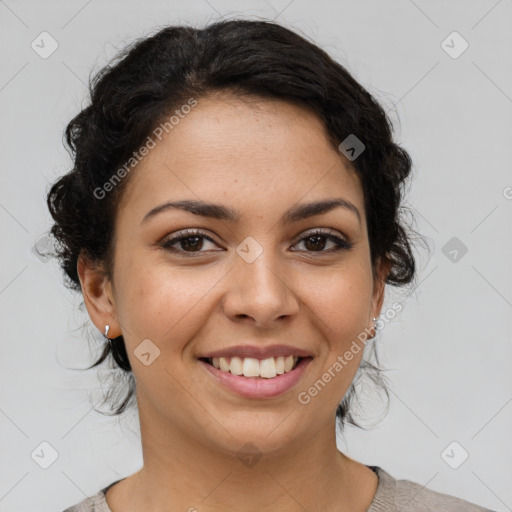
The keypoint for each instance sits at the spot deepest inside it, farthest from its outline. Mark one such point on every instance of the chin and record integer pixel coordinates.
(264, 433)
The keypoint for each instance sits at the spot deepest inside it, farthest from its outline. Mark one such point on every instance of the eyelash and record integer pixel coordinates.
(340, 243)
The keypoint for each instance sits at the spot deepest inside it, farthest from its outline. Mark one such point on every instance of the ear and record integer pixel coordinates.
(98, 296)
(383, 268)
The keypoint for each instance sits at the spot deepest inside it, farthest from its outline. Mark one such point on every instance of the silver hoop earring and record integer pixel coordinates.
(375, 328)
(107, 328)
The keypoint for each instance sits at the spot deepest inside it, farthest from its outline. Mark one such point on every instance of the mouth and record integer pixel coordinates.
(252, 367)
(254, 378)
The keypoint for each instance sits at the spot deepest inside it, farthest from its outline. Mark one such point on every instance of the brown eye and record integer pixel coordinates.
(191, 243)
(318, 240)
(315, 242)
(188, 241)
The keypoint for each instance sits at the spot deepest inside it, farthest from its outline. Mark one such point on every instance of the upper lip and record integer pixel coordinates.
(258, 352)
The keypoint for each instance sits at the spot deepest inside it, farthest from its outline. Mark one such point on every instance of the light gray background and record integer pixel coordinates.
(449, 349)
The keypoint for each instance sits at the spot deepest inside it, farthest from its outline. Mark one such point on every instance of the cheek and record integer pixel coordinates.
(341, 314)
(163, 303)
(341, 303)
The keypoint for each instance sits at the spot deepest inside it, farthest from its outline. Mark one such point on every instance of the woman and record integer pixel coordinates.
(232, 219)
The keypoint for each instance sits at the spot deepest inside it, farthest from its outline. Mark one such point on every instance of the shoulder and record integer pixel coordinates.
(96, 503)
(406, 496)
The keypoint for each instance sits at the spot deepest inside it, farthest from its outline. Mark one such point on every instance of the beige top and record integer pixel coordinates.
(392, 496)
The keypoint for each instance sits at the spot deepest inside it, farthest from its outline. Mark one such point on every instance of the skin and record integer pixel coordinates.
(259, 157)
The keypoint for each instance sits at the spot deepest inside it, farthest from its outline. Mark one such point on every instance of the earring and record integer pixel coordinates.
(375, 327)
(107, 328)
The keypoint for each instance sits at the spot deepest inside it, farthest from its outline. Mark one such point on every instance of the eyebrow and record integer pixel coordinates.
(220, 212)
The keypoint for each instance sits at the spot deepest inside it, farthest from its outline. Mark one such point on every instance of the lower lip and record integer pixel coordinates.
(258, 387)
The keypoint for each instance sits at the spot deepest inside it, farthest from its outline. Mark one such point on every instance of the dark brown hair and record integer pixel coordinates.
(155, 75)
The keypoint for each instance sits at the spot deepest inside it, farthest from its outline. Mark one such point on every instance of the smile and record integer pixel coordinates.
(256, 378)
(251, 367)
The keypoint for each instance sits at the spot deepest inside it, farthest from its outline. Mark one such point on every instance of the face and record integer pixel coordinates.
(260, 281)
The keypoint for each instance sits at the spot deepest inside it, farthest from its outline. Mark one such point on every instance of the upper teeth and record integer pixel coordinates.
(251, 367)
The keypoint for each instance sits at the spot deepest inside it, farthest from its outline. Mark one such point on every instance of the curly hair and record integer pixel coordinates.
(154, 75)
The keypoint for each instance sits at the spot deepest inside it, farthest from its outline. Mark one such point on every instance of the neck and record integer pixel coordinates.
(192, 475)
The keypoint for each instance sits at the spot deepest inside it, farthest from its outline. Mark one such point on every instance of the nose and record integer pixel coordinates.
(260, 293)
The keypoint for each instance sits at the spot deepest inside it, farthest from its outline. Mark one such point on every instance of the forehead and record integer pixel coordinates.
(246, 152)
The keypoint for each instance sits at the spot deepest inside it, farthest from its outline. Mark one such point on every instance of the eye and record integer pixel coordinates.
(190, 240)
(315, 241)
